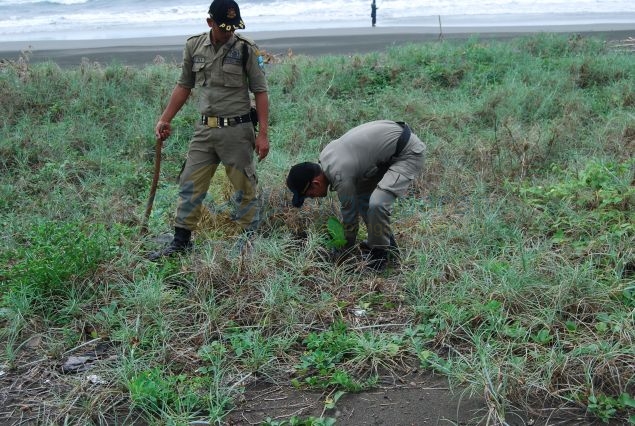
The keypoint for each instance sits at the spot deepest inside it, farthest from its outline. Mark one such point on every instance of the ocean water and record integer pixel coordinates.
(106, 19)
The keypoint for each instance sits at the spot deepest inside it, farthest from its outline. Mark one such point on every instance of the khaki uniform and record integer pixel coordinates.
(223, 86)
(353, 165)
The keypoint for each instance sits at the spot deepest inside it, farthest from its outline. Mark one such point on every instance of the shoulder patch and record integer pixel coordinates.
(197, 36)
(245, 39)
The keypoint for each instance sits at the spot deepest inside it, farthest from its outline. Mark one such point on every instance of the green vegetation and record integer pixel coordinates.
(517, 273)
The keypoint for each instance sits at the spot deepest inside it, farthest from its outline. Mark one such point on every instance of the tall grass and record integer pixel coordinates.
(516, 278)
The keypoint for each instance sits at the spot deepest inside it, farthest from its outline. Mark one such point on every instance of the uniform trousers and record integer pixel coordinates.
(376, 196)
(233, 146)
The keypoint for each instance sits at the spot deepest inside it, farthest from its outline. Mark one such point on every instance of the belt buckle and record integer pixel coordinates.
(212, 122)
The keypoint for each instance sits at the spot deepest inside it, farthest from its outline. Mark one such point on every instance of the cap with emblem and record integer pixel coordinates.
(226, 14)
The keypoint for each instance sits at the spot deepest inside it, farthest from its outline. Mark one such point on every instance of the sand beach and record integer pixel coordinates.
(344, 41)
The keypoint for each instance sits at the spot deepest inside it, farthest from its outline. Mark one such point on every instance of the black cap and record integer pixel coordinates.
(299, 179)
(226, 14)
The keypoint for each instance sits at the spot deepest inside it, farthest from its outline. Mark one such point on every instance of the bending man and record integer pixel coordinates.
(369, 167)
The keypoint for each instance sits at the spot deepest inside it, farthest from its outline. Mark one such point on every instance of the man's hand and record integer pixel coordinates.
(262, 146)
(163, 130)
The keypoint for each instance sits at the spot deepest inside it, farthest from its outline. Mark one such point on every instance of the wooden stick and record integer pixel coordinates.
(153, 187)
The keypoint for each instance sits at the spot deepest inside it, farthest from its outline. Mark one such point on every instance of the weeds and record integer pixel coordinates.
(296, 421)
(516, 277)
(321, 365)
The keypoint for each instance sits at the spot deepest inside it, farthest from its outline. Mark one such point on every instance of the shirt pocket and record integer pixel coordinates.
(233, 75)
(198, 69)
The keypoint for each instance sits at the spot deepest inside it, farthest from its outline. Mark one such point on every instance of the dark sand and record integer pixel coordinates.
(142, 51)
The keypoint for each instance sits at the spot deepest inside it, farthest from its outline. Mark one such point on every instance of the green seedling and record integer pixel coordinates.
(336, 231)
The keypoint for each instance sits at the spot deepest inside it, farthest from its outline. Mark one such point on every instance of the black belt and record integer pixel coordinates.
(403, 138)
(217, 122)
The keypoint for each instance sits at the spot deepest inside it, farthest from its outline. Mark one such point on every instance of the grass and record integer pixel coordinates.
(517, 272)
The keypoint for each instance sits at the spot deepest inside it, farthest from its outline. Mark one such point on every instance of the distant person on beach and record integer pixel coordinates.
(224, 67)
(373, 13)
(369, 167)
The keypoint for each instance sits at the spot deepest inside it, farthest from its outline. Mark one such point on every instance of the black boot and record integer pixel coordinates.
(377, 259)
(180, 244)
(393, 248)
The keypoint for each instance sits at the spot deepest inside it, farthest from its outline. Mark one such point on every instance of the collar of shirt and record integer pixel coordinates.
(231, 40)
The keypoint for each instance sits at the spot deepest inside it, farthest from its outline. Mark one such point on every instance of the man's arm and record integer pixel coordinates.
(350, 212)
(262, 139)
(178, 98)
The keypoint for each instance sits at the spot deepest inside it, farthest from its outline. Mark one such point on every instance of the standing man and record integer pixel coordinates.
(373, 12)
(369, 167)
(224, 67)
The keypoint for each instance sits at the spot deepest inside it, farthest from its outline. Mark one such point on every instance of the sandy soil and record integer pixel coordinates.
(142, 51)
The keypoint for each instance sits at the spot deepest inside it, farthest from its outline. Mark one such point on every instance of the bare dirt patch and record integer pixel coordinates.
(417, 399)
(42, 395)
